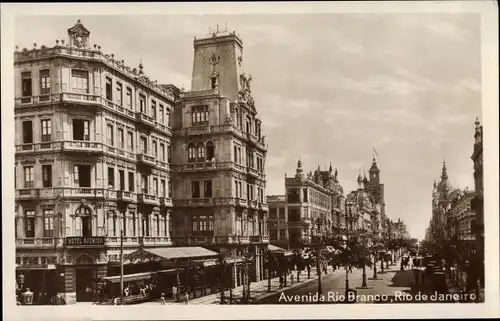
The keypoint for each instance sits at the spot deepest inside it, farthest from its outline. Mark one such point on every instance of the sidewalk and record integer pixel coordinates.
(258, 290)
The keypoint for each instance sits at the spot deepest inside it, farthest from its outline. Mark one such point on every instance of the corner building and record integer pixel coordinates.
(218, 159)
(92, 158)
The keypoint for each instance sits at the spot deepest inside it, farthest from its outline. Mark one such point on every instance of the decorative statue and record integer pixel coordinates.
(245, 93)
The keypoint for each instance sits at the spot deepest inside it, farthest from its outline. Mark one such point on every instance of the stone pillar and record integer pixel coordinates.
(67, 284)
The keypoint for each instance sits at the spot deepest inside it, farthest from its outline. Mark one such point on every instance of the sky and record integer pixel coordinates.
(329, 88)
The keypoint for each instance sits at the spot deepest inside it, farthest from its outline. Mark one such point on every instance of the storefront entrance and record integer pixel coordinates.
(85, 284)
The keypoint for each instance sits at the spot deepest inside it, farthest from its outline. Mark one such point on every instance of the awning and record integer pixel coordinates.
(170, 253)
(274, 248)
(32, 267)
(130, 277)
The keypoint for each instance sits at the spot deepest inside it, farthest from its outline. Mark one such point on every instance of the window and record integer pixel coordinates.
(111, 177)
(207, 189)
(160, 112)
(200, 152)
(144, 145)
(142, 103)
(169, 188)
(155, 149)
(81, 175)
(129, 98)
(214, 82)
(124, 223)
(144, 184)
(27, 89)
(130, 141)
(273, 235)
(210, 151)
(80, 81)
(199, 115)
(162, 152)
(169, 124)
(44, 82)
(46, 130)
(236, 185)
(112, 220)
(195, 189)
(155, 186)
(81, 130)
(235, 154)
(121, 175)
(153, 109)
(121, 139)
(29, 177)
(119, 93)
(48, 223)
(111, 137)
(293, 195)
(163, 191)
(109, 89)
(203, 223)
(169, 154)
(170, 224)
(134, 223)
(29, 223)
(131, 182)
(145, 225)
(27, 132)
(157, 227)
(47, 175)
(293, 215)
(191, 153)
(305, 195)
(282, 234)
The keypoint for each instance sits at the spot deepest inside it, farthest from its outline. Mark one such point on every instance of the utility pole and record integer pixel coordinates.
(121, 267)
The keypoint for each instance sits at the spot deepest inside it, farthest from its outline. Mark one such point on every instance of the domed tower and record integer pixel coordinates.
(374, 172)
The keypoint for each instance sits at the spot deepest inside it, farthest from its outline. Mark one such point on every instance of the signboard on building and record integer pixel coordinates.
(83, 240)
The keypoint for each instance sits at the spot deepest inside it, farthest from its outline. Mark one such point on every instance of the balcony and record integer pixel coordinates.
(148, 199)
(193, 240)
(146, 159)
(194, 202)
(145, 119)
(253, 204)
(125, 196)
(162, 164)
(82, 146)
(241, 202)
(166, 202)
(29, 193)
(164, 128)
(263, 207)
(80, 98)
(38, 147)
(153, 241)
(85, 192)
(38, 242)
(252, 172)
(198, 130)
(208, 166)
(58, 97)
(259, 142)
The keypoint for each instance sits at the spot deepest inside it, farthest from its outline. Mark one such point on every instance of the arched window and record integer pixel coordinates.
(200, 152)
(210, 151)
(83, 222)
(191, 153)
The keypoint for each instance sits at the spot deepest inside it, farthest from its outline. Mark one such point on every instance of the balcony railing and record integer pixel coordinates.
(241, 202)
(136, 240)
(148, 199)
(252, 204)
(165, 201)
(200, 93)
(194, 202)
(146, 159)
(164, 128)
(85, 192)
(162, 164)
(253, 172)
(204, 240)
(263, 207)
(126, 196)
(83, 146)
(145, 119)
(39, 242)
(208, 166)
(38, 147)
(27, 193)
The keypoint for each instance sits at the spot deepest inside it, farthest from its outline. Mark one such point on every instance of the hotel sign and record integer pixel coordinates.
(82, 240)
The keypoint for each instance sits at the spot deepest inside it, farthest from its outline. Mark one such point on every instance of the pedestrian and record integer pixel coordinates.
(281, 281)
(186, 297)
(162, 298)
(175, 295)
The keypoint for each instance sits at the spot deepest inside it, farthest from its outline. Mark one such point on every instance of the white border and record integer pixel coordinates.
(489, 26)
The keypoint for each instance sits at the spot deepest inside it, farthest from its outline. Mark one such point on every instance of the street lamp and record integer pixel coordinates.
(348, 223)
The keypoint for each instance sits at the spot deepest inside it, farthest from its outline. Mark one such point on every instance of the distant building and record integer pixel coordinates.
(460, 218)
(277, 222)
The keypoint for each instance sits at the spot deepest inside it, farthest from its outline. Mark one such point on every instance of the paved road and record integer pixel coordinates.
(393, 286)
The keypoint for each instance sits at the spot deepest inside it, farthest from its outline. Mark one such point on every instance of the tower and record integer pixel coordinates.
(218, 64)
(374, 173)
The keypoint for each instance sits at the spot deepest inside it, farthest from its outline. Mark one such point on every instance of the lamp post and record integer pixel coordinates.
(348, 222)
(318, 253)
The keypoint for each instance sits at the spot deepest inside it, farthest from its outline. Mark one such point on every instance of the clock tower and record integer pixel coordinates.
(78, 36)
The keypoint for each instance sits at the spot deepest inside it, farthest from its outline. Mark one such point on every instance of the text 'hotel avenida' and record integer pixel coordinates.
(100, 149)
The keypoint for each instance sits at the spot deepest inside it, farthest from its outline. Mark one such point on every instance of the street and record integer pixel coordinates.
(392, 286)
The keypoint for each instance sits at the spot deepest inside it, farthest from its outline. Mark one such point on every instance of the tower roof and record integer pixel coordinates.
(444, 173)
(374, 167)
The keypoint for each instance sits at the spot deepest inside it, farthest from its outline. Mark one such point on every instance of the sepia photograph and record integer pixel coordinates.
(252, 158)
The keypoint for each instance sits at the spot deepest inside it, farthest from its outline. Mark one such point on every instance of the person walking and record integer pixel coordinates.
(175, 294)
(186, 297)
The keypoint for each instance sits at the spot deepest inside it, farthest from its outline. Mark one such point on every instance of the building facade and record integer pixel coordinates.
(477, 158)
(218, 159)
(278, 220)
(460, 218)
(101, 149)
